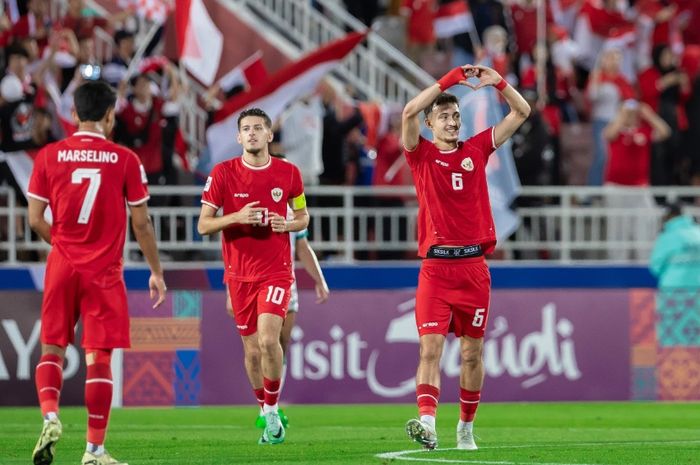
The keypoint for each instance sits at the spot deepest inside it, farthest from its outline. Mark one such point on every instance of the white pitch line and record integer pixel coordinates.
(401, 455)
(404, 454)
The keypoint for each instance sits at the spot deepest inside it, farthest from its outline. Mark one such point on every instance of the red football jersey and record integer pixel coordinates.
(254, 252)
(629, 157)
(86, 179)
(453, 196)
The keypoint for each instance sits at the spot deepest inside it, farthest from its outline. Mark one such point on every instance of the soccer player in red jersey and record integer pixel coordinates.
(86, 180)
(455, 230)
(254, 190)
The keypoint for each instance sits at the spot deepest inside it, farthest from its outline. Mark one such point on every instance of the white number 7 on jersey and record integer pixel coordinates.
(95, 178)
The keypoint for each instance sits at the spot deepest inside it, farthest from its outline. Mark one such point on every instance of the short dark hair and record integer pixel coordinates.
(121, 35)
(441, 99)
(254, 112)
(93, 99)
(16, 48)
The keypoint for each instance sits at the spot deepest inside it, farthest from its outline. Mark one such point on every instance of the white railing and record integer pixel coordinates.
(378, 70)
(560, 224)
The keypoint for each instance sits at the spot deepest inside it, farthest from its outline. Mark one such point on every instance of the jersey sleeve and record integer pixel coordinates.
(38, 183)
(484, 142)
(213, 192)
(296, 192)
(418, 151)
(136, 181)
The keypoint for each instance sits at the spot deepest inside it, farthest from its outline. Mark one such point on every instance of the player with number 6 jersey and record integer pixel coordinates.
(455, 230)
(87, 181)
(253, 191)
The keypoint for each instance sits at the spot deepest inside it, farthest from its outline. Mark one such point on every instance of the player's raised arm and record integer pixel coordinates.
(143, 230)
(410, 118)
(519, 108)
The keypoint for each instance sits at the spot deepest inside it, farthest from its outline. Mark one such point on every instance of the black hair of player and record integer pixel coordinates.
(93, 99)
(441, 99)
(254, 112)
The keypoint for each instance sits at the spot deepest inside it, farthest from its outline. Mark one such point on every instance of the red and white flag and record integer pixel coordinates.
(199, 41)
(152, 10)
(293, 81)
(249, 73)
(453, 18)
(597, 28)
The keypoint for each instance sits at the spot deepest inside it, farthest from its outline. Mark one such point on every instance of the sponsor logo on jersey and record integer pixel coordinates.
(276, 194)
(430, 324)
(242, 326)
(468, 164)
(243, 195)
(207, 185)
(441, 163)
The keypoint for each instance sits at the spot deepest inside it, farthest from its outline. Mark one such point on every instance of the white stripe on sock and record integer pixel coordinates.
(50, 363)
(98, 380)
(468, 401)
(428, 395)
(49, 388)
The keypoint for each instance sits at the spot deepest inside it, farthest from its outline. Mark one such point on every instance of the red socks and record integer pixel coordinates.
(272, 391)
(427, 397)
(259, 396)
(49, 380)
(468, 403)
(98, 394)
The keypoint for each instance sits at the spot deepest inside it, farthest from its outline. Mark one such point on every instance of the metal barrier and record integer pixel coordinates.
(561, 224)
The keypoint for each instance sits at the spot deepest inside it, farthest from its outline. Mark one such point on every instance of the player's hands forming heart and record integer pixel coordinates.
(485, 75)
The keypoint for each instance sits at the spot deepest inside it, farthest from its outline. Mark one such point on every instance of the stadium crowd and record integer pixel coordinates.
(594, 55)
(589, 58)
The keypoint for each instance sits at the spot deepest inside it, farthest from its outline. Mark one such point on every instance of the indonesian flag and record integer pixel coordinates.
(281, 88)
(597, 28)
(152, 10)
(199, 41)
(248, 73)
(453, 18)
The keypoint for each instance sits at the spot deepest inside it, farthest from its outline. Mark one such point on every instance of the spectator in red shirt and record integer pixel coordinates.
(630, 136)
(607, 89)
(143, 120)
(36, 23)
(419, 26)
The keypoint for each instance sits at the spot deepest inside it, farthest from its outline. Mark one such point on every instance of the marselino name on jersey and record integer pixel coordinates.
(95, 156)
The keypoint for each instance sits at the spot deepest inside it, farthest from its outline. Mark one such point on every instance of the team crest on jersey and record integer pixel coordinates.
(276, 194)
(468, 164)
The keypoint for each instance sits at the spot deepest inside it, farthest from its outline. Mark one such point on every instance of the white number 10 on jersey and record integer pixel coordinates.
(95, 178)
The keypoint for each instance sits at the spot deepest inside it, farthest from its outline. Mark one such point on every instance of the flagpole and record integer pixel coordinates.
(138, 55)
(541, 47)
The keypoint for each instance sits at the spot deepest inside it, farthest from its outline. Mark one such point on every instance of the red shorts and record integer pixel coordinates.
(453, 296)
(69, 296)
(250, 299)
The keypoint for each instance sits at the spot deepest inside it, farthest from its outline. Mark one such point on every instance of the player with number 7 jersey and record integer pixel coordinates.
(87, 181)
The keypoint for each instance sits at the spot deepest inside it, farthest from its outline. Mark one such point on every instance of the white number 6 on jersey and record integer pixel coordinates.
(457, 182)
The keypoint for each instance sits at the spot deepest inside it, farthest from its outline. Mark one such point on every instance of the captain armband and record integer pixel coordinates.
(299, 202)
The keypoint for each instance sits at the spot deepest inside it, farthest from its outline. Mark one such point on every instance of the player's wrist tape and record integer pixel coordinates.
(500, 85)
(467, 251)
(451, 78)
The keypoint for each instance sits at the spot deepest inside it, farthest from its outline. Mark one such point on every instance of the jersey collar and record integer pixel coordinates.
(253, 167)
(89, 133)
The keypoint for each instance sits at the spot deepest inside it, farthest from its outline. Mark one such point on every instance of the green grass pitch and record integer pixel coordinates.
(633, 433)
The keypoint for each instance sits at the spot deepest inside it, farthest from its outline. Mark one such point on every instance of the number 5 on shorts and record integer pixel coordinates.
(478, 317)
